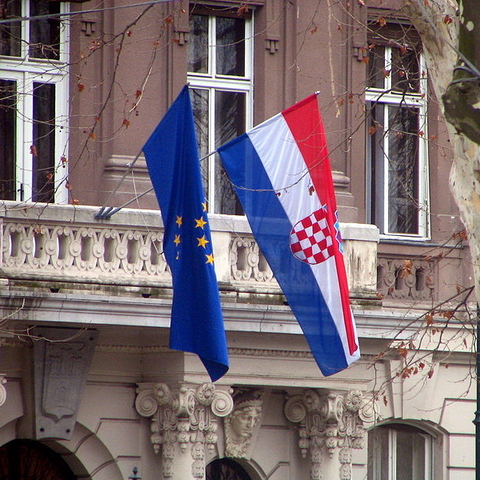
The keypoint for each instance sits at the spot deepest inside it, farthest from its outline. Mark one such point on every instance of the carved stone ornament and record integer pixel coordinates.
(240, 424)
(3, 390)
(185, 418)
(61, 363)
(330, 421)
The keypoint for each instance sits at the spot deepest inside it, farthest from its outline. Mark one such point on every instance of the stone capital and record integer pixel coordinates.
(184, 423)
(331, 424)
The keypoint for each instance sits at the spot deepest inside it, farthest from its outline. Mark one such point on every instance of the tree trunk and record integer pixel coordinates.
(450, 33)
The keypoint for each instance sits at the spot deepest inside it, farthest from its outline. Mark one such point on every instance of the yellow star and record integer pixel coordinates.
(202, 242)
(204, 205)
(179, 220)
(210, 258)
(177, 240)
(200, 222)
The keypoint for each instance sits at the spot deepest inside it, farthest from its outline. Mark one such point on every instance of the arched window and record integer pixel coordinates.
(399, 452)
(30, 460)
(225, 469)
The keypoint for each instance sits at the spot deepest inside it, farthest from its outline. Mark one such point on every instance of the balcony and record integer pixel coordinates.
(59, 264)
(65, 244)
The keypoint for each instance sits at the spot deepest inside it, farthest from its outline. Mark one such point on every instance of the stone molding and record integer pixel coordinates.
(184, 419)
(329, 423)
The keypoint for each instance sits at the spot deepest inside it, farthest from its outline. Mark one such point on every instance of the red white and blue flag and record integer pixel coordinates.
(282, 175)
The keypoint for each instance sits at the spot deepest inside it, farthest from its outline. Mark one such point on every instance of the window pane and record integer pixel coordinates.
(45, 32)
(229, 116)
(229, 123)
(200, 114)
(376, 68)
(378, 454)
(43, 151)
(405, 71)
(403, 146)
(410, 455)
(198, 44)
(376, 135)
(8, 100)
(10, 32)
(230, 39)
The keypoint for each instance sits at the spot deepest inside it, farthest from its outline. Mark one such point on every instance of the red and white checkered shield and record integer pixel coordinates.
(310, 239)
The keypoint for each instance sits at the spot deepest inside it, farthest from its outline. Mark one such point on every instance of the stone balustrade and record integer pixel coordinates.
(66, 243)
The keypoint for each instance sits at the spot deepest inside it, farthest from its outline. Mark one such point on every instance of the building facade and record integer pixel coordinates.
(88, 386)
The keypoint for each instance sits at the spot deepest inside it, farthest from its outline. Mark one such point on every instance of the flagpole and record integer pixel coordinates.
(105, 213)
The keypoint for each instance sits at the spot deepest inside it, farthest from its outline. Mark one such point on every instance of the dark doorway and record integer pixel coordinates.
(30, 460)
(225, 469)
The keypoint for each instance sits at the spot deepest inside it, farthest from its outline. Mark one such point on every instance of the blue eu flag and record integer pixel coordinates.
(174, 167)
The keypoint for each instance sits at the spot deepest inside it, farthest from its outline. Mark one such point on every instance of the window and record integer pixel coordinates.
(220, 77)
(33, 102)
(399, 452)
(396, 138)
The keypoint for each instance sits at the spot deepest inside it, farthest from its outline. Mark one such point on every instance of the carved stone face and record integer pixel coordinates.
(243, 421)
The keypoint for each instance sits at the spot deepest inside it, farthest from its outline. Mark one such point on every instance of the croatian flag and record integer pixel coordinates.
(282, 175)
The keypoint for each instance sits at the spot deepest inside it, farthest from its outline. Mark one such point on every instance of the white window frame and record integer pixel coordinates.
(25, 71)
(212, 82)
(387, 97)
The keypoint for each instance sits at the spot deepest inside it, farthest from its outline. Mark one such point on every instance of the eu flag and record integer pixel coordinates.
(173, 163)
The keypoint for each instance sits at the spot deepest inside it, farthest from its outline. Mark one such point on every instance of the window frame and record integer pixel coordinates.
(386, 97)
(26, 71)
(211, 82)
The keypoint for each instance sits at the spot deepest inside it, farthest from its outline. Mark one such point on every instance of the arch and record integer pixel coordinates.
(85, 454)
(436, 431)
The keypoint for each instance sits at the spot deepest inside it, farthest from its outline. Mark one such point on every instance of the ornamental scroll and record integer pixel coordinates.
(184, 419)
(330, 421)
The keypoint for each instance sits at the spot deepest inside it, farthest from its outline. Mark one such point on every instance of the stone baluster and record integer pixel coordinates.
(184, 423)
